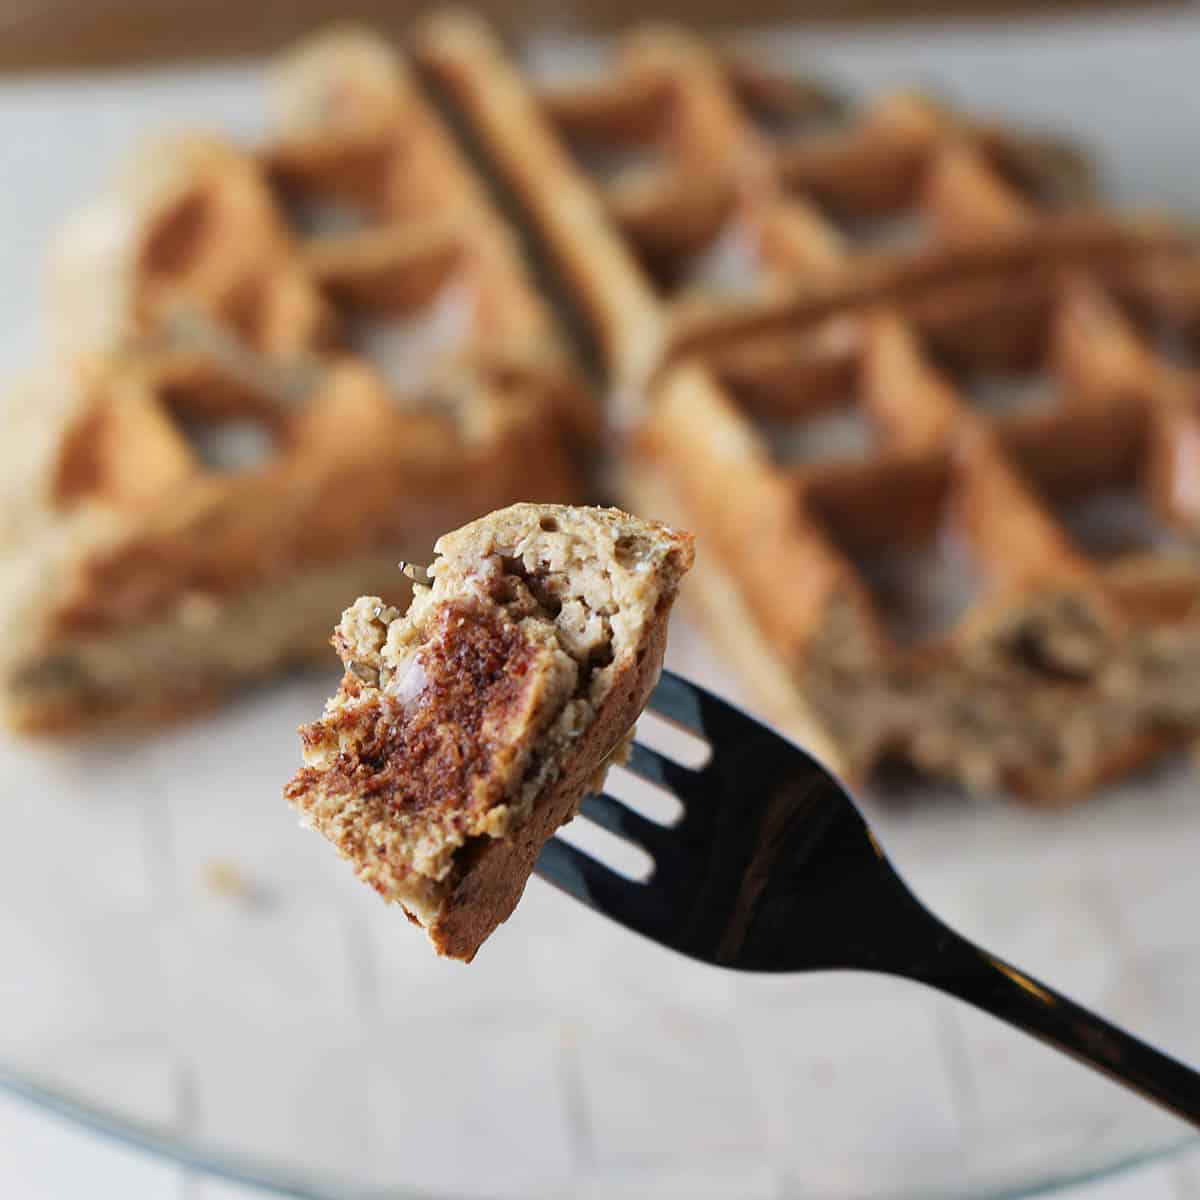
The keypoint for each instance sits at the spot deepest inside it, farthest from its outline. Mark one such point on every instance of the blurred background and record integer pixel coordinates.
(124, 31)
(188, 972)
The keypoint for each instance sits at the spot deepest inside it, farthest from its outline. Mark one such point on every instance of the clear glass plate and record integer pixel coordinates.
(186, 968)
(184, 965)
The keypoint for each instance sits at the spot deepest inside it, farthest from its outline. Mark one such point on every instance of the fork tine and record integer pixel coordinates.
(694, 708)
(610, 813)
(650, 765)
(676, 699)
(581, 876)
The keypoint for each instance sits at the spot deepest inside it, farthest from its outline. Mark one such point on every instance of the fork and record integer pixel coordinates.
(773, 868)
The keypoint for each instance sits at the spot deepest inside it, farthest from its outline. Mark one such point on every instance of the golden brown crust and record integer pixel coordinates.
(210, 276)
(1117, 250)
(614, 292)
(361, 478)
(358, 471)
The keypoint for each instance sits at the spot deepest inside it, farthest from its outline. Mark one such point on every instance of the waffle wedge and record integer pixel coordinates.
(254, 420)
(816, 317)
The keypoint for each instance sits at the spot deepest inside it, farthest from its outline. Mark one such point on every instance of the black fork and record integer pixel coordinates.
(773, 868)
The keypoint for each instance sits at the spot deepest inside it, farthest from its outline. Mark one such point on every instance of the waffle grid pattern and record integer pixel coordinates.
(811, 314)
(259, 403)
(719, 219)
(906, 431)
(140, 989)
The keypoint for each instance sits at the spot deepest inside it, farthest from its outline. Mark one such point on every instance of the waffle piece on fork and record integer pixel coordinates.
(468, 729)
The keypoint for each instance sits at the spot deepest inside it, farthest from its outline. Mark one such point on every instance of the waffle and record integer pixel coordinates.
(921, 400)
(533, 648)
(687, 196)
(810, 314)
(255, 417)
(983, 503)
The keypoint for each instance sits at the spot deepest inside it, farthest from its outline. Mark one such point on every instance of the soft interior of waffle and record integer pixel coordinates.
(456, 717)
(201, 648)
(1045, 702)
(992, 712)
(1009, 667)
(968, 677)
(1037, 688)
(440, 751)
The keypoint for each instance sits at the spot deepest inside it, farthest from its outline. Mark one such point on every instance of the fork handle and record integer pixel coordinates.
(962, 969)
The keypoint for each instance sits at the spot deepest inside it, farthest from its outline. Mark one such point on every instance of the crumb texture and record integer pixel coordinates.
(434, 758)
(456, 720)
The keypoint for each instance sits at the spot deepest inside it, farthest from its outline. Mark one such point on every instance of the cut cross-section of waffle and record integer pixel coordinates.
(467, 730)
(230, 455)
(926, 478)
(687, 193)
